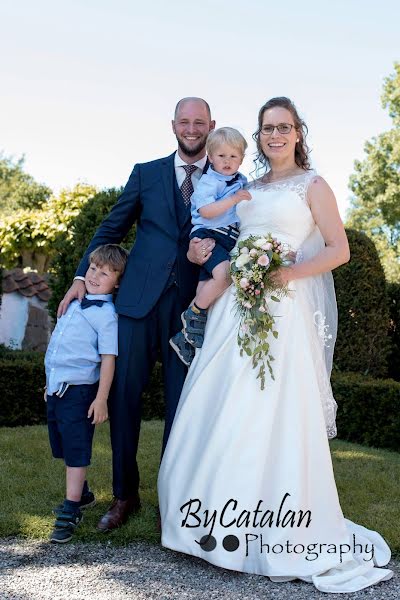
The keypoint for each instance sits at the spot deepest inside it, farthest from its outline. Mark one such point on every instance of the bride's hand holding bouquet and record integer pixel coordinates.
(260, 270)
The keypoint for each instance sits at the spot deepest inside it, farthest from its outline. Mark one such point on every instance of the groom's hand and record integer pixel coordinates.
(77, 290)
(200, 250)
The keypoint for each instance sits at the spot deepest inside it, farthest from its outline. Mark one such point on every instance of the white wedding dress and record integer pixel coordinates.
(241, 464)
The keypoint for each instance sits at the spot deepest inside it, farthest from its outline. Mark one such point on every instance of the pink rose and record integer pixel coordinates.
(257, 292)
(244, 283)
(247, 304)
(263, 261)
(266, 246)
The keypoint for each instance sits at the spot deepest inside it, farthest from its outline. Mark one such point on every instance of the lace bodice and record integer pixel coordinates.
(279, 208)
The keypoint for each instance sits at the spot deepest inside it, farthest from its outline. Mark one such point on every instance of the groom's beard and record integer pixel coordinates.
(192, 150)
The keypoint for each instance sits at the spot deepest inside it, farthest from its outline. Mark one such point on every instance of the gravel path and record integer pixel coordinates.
(39, 571)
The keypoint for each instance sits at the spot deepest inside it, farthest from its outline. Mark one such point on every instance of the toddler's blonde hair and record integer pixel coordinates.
(225, 135)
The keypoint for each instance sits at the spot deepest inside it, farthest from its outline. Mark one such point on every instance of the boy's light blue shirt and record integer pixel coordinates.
(80, 336)
(211, 188)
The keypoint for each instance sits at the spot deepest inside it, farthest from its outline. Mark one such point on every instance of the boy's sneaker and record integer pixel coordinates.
(184, 350)
(87, 501)
(65, 524)
(194, 324)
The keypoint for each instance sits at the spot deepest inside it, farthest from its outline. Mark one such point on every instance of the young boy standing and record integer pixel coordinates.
(214, 216)
(79, 362)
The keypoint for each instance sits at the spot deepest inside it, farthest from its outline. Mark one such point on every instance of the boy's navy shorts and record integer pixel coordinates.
(70, 430)
(221, 252)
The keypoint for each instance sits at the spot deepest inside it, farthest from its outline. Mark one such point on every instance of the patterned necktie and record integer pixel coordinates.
(86, 303)
(187, 185)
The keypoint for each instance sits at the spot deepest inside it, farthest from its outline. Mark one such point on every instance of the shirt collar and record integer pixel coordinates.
(179, 162)
(105, 297)
(219, 176)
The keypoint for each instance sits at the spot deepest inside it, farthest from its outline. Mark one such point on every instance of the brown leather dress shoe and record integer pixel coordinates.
(118, 513)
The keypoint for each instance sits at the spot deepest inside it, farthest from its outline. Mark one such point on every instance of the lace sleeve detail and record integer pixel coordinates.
(311, 175)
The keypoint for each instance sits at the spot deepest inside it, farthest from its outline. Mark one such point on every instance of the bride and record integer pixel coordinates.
(246, 481)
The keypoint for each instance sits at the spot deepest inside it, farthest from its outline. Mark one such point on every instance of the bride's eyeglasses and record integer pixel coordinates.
(283, 128)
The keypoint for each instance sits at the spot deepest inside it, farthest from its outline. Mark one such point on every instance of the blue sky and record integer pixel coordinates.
(88, 87)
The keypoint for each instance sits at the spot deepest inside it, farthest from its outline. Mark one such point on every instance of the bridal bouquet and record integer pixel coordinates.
(252, 262)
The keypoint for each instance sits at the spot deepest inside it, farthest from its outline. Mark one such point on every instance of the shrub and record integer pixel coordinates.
(69, 250)
(27, 236)
(368, 413)
(21, 383)
(22, 379)
(393, 291)
(368, 410)
(362, 343)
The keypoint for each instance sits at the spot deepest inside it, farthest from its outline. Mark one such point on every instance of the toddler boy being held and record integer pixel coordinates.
(213, 216)
(80, 362)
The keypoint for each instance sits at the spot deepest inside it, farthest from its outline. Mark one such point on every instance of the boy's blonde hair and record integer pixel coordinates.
(225, 135)
(110, 255)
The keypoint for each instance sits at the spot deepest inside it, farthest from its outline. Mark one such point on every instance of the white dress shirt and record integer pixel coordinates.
(180, 172)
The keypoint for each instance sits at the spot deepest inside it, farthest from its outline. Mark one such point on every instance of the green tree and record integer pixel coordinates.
(68, 250)
(17, 188)
(362, 344)
(27, 237)
(375, 207)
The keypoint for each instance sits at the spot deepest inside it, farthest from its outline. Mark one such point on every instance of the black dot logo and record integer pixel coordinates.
(208, 543)
(230, 543)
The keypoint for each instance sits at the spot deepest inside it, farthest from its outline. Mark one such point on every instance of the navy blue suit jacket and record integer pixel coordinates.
(160, 245)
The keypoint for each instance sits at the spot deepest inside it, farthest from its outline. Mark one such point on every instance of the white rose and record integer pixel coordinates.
(253, 252)
(242, 260)
(260, 242)
(244, 250)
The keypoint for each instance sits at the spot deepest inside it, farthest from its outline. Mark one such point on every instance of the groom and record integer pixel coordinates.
(158, 284)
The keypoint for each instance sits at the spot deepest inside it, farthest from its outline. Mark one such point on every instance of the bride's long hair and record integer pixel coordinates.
(301, 152)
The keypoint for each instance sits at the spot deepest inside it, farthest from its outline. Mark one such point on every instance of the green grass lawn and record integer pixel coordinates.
(31, 483)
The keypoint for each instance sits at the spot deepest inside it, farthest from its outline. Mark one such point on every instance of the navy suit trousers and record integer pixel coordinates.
(139, 343)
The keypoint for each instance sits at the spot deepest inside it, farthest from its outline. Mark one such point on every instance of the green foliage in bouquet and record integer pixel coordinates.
(70, 248)
(252, 263)
(362, 343)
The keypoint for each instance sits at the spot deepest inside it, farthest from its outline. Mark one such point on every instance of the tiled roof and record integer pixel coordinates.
(28, 284)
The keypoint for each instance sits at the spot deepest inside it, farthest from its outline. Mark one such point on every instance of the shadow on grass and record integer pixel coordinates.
(32, 484)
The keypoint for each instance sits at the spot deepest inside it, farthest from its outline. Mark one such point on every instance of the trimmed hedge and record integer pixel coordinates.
(21, 383)
(362, 344)
(368, 410)
(22, 380)
(393, 291)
